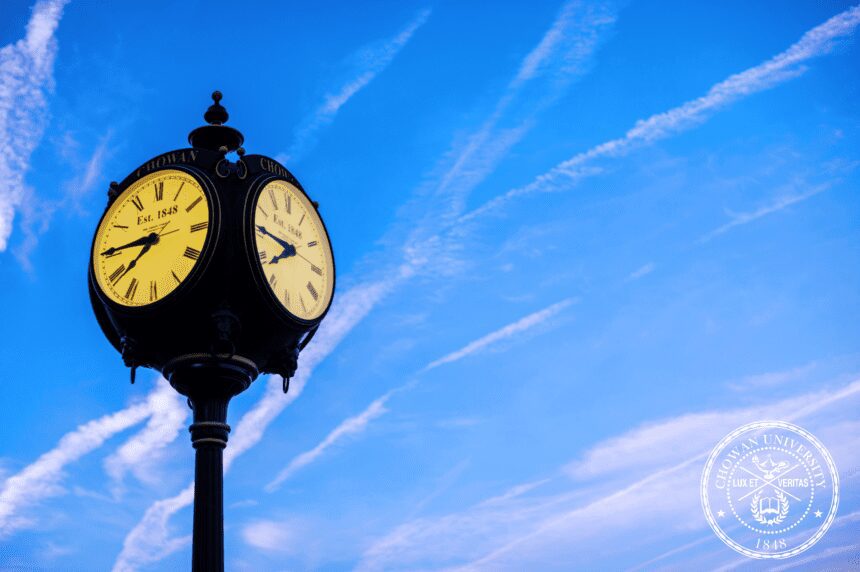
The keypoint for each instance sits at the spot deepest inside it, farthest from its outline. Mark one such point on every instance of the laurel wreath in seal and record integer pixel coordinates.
(783, 509)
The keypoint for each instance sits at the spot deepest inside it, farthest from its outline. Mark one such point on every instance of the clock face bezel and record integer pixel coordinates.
(200, 266)
(256, 189)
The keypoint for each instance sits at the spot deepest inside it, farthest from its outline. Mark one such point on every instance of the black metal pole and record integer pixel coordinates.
(209, 382)
(209, 437)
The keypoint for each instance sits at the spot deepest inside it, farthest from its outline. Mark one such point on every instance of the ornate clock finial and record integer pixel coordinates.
(216, 135)
(216, 114)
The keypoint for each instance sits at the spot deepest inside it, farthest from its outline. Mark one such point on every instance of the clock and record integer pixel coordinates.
(152, 238)
(290, 249)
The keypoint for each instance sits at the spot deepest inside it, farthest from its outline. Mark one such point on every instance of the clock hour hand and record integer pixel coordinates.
(133, 263)
(150, 238)
(288, 251)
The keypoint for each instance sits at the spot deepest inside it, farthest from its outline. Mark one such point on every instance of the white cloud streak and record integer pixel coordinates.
(41, 479)
(506, 332)
(351, 426)
(359, 423)
(373, 61)
(642, 271)
(776, 206)
(26, 78)
(272, 536)
(613, 485)
(780, 68)
(563, 54)
(148, 541)
(140, 454)
(37, 214)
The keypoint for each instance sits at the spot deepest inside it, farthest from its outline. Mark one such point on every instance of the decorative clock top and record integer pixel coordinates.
(151, 238)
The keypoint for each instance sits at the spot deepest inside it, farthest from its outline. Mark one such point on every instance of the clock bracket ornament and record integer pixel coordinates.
(182, 280)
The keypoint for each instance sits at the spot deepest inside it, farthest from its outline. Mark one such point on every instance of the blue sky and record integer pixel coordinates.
(577, 244)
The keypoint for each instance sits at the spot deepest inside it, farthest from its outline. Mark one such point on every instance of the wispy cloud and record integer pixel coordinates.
(350, 426)
(272, 536)
(609, 488)
(642, 271)
(372, 61)
(150, 540)
(358, 423)
(91, 174)
(26, 77)
(780, 68)
(504, 333)
(771, 378)
(37, 213)
(42, 478)
(142, 452)
(785, 201)
(564, 53)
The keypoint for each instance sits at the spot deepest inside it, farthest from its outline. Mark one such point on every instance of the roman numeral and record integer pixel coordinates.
(287, 298)
(191, 253)
(302, 219)
(312, 243)
(199, 226)
(316, 269)
(159, 190)
(179, 190)
(122, 226)
(263, 256)
(137, 202)
(132, 288)
(117, 273)
(273, 280)
(272, 198)
(302, 302)
(175, 277)
(313, 291)
(153, 291)
(289, 204)
(265, 214)
(193, 204)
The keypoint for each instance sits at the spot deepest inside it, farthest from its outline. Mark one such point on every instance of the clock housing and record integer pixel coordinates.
(289, 248)
(155, 238)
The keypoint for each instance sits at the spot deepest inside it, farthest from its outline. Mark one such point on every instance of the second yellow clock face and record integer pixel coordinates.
(151, 238)
(293, 250)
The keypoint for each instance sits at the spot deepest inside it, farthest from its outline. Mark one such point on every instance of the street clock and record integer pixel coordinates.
(197, 255)
(211, 271)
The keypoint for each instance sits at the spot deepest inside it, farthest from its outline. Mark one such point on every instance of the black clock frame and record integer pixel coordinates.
(200, 266)
(255, 190)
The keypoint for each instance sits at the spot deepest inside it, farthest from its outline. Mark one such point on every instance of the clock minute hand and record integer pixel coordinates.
(280, 241)
(150, 238)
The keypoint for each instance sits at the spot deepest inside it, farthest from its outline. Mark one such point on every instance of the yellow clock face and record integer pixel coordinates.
(293, 250)
(151, 238)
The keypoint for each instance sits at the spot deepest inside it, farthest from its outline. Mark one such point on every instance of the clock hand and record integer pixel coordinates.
(306, 260)
(280, 241)
(143, 251)
(286, 253)
(148, 239)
